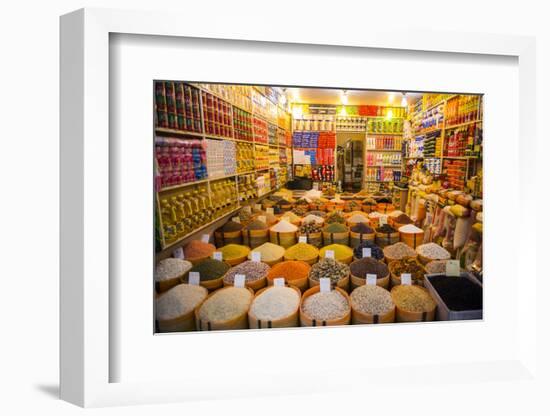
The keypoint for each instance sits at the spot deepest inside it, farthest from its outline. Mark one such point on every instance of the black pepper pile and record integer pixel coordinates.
(458, 293)
(361, 267)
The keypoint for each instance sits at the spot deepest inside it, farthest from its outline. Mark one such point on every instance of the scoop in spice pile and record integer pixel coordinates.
(408, 265)
(335, 227)
(329, 268)
(373, 300)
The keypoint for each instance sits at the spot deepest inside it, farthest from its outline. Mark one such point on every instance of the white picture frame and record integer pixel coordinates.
(85, 352)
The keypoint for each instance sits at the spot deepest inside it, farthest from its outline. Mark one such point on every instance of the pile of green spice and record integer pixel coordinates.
(335, 216)
(362, 228)
(368, 265)
(335, 227)
(329, 268)
(231, 226)
(210, 269)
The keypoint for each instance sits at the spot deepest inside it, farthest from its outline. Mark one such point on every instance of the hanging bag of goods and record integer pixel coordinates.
(226, 308)
(255, 233)
(360, 233)
(283, 234)
(411, 235)
(336, 233)
(371, 304)
(325, 308)
(275, 307)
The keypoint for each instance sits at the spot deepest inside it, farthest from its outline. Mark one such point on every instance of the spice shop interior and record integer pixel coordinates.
(282, 207)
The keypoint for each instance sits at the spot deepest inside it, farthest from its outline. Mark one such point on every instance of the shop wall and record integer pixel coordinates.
(29, 158)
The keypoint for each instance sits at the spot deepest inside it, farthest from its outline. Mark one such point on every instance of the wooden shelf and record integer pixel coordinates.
(385, 134)
(460, 157)
(183, 185)
(382, 150)
(398, 166)
(164, 130)
(463, 124)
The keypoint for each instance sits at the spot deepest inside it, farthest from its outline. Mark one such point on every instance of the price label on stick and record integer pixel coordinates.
(239, 280)
(329, 254)
(218, 255)
(256, 256)
(371, 279)
(258, 207)
(406, 279)
(270, 211)
(194, 278)
(383, 220)
(324, 282)
(178, 253)
(262, 218)
(452, 268)
(205, 238)
(302, 239)
(279, 281)
(236, 219)
(367, 252)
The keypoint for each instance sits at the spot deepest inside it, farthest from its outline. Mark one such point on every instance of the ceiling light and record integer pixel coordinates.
(404, 100)
(344, 97)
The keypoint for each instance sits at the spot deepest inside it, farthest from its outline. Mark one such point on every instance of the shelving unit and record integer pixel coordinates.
(207, 182)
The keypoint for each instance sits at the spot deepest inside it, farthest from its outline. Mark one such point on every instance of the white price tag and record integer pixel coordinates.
(205, 238)
(452, 268)
(256, 256)
(218, 255)
(279, 281)
(324, 282)
(383, 220)
(371, 279)
(178, 253)
(367, 252)
(329, 254)
(194, 278)
(258, 207)
(302, 239)
(239, 280)
(270, 211)
(236, 219)
(262, 218)
(406, 279)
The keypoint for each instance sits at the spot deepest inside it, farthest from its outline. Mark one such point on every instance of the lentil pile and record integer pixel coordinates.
(361, 267)
(210, 269)
(269, 252)
(171, 268)
(412, 298)
(362, 228)
(196, 249)
(301, 251)
(375, 251)
(373, 300)
(458, 293)
(234, 251)
(335, 227)
(290, 270)
(179, 301)
(326, 306)
(329, 268)
(252, 270)
(341, 251)
(225, 304)
(408, 265)
(399, 251)
(310, 228)
(275, 303)
(433, 251)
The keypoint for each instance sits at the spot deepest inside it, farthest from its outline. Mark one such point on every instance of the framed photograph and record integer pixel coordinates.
(292, 213)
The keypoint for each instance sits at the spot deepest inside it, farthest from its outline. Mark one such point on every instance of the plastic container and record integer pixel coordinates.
(443, 312)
